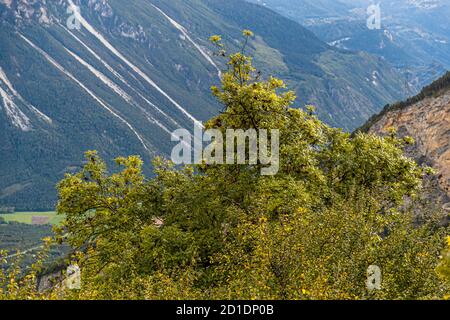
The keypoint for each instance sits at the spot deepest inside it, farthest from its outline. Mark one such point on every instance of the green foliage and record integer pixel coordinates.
(325, 254)
(444, 267)
(33, 162)
(17, 283)
(335, 207)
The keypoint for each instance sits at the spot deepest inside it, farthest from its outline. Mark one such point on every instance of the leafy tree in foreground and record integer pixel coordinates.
(19, 284)
(444, 267)
(311, 231)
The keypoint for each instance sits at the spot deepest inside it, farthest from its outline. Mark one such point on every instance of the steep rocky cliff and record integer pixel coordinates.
(426, 118)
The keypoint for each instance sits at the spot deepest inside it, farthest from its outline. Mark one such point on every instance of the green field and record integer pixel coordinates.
(26, 217)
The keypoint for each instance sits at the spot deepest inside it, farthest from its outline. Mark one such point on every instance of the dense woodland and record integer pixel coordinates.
(336, 207)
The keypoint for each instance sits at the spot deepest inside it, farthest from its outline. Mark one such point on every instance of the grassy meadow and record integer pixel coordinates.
(26, 217)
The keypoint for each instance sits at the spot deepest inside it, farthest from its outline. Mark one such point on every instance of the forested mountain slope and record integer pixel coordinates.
(136, 70)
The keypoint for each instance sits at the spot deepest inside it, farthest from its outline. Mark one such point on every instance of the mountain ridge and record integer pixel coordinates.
(413, 35)
(437, 87)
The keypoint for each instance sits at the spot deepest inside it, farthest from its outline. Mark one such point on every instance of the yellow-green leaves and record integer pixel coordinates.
(444, 267)
(215, 39)
(247, 33)
(336, 207)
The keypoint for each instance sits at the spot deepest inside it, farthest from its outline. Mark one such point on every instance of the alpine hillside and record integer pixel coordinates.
(119, 76)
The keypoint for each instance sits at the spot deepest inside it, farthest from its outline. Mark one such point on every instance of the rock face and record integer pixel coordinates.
(426, 118)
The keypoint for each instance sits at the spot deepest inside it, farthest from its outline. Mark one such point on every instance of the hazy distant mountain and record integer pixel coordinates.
(414, 34)
(303, 10)
(137, 70)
